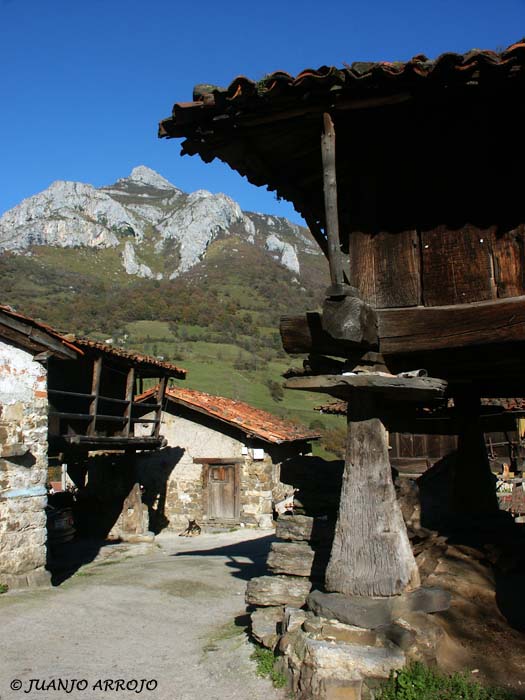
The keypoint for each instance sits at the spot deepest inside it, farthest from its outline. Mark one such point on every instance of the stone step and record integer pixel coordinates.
(278, 590)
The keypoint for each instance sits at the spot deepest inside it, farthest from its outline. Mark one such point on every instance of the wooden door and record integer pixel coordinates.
(222, 492)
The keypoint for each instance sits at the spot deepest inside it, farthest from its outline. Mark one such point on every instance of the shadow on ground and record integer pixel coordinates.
(65, 559)
(254, 550)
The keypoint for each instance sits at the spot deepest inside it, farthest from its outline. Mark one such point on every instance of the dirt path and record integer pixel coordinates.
(160, 613)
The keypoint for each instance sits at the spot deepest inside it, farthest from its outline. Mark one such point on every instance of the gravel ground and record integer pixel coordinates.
(171, 614)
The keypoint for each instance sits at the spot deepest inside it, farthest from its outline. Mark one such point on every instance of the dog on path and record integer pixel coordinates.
(192, 530)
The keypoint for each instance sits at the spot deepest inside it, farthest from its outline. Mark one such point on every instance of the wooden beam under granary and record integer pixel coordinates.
(405, 175)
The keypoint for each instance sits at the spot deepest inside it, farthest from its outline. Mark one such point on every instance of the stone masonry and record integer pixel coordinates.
(174, 482)
(23, 468)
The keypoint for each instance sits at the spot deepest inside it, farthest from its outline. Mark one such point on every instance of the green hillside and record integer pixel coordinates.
(219, 320)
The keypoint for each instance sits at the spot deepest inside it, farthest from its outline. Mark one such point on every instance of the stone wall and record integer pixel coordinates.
(23, 468)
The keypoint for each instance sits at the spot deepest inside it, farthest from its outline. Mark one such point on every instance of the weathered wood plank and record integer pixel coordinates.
(95, 390)
(424, 329)
(161, 391)
(39, 337)
(117, 442)
(457, 266)
(218, 460)
(508, 256)
(330, 200)
(385, 268)
(130, 385)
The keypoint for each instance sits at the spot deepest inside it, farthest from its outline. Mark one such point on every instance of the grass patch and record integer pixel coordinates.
(182, 588)
(230, 630)
(3, 588)
(418, 682)
(265, 660)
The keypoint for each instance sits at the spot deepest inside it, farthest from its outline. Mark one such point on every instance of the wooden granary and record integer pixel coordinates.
(409, 178)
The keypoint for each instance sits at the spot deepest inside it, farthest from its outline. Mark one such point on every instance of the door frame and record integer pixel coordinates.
(209, 463)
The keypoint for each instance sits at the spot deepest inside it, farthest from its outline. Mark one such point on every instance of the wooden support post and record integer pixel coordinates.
(160, 400)
(473, 488)
(95, 391)
(130, 385)
(371, 553)
(330, 199)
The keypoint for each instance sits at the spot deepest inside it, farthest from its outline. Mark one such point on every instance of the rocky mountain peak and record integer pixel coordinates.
(146, 176)
(158, 230)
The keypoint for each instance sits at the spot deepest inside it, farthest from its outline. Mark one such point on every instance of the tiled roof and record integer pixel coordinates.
(134, 357)
(252, 421)
(391, 117)
(80, 345)
(360, 79)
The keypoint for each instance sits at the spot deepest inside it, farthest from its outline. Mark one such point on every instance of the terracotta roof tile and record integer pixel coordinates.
(355, 80)
(252, 421)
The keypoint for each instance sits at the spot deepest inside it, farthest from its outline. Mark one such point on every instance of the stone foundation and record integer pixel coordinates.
(332, 646)
(23, 469)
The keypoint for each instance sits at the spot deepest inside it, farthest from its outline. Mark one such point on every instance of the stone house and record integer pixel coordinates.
(222, 462)
(61, 399)
(24, 349)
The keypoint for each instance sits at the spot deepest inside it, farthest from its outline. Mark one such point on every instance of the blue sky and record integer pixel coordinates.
(84, 84)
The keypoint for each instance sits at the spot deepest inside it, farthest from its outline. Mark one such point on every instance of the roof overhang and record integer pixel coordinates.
(384, 114)
(34, 338)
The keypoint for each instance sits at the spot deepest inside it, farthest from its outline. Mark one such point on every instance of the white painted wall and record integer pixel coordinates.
(23, 467)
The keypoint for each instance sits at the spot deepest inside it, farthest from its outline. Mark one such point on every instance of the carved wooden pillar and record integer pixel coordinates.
(371, 553)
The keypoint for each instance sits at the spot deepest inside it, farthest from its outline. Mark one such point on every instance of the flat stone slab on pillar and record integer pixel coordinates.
(389, 386)
(371, 613)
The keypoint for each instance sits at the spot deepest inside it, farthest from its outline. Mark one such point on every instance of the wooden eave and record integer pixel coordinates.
(34, 339)
(94, 442)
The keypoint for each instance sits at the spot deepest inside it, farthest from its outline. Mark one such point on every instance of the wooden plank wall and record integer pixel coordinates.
(438, 267)
(381, 283)
(418, 452)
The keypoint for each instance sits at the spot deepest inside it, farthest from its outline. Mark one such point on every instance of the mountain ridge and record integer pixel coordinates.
(145, 210)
